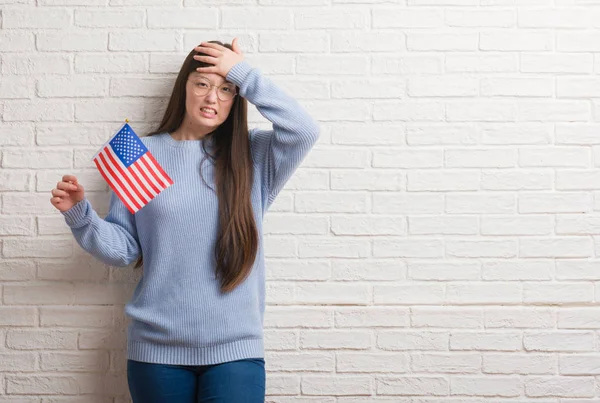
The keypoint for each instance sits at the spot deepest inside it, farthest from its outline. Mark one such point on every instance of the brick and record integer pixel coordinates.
(518, 270)
(441, 41)
(294, 42)
(302, 361)
(453, 363)
(73, 316)
(298, 317)
(16, 134)
(522, 364)
(81, 361)
(447, 317)
(16, 225)
(152, 41)
(412, 293)
(418, 110)
(517, 180)
(413, 386)
(475, 62)
(519, 317)
(562, 386)
(301, 270)
(281, 340)
(376, 269)
(36, 339)
(72, 87)
(337, 385)
(16, 88)
(556, 63)
(365, 41)
(82, 41)
(332, 293)
(17, 41)
(37, 247)
(388, 248)
(335, 339)
(17, 270)
(516, 40)
(368, 225)
(112, 62)
(486, 386)
(563, 341)
(480, 158)
(329, 19)
(35, 17)
(565, 202)
(492, 341)
(371, 362)
(110, 19)
(406, 64)
(557, 247)
(444, 271)
(253, 18)
(477, 248)
(38, 111)
(577, 270)
(371, 317)
(15, 180)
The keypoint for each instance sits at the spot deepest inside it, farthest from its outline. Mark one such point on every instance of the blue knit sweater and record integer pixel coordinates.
(178, 314)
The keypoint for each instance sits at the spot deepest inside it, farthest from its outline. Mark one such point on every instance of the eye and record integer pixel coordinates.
(201, 84)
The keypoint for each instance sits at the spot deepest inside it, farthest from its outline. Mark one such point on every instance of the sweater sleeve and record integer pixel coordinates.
(112, 240)
(279, 151)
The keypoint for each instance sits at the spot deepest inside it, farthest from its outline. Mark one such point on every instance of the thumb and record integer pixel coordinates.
(235, 45)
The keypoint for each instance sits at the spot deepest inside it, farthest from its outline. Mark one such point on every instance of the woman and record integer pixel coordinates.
(196, 331)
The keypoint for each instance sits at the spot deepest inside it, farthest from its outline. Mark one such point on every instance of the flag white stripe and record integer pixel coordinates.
(142, 166)
(110, 151)
(131, 178)
(134, 167)
(157, 172)
(112, 180)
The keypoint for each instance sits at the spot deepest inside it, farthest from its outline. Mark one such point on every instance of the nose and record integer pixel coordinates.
(212, 95)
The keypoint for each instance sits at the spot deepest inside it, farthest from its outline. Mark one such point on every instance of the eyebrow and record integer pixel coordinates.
(206, 78)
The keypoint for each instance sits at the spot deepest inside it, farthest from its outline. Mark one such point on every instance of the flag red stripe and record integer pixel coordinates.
(120, 183)
(150, 182)
(125, 176)
(112, 186)
(149, 166)
(157, 165)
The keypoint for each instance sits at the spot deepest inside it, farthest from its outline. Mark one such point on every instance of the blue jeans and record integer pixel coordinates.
(241, 381)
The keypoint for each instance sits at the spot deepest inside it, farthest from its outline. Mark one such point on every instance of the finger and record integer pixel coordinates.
(207, 51)
(55, 200)
(69, 178)
(206, 59)
(60, 193)
(236, 46)
(207, 69)
(212, 45)
(66, 186)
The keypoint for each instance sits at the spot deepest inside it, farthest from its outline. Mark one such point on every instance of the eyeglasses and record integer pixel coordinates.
(202, 86)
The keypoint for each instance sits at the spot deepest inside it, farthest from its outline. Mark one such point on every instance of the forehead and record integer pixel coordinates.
(212, 77)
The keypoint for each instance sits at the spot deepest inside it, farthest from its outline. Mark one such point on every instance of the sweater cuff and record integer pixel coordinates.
(76, 216)
(239, 72)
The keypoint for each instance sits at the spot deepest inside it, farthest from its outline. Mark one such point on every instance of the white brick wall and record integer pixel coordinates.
(441, 244)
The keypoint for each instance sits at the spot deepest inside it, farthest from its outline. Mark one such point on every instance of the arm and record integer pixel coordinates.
(281, 150)
(112, 240)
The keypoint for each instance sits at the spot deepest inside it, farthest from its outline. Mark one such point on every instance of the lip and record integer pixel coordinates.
(208, 115)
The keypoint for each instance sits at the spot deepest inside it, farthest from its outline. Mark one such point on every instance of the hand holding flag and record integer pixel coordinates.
(130, 169)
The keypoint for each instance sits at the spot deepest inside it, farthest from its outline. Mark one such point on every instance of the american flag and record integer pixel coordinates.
(130, 169)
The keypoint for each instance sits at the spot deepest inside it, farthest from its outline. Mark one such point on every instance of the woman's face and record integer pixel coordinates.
(196, 105)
